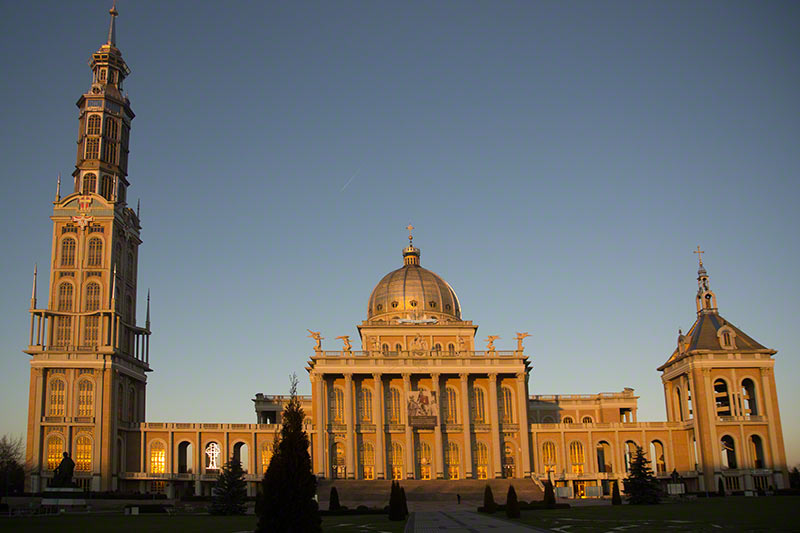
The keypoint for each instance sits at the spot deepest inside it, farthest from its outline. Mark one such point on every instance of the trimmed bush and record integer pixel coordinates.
(512, 504)
(396, 503)
(489, 505)
(549, 495)
(333, 501)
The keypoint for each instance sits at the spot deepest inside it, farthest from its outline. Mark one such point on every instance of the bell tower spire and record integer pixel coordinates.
(706, 299)
(112, 27)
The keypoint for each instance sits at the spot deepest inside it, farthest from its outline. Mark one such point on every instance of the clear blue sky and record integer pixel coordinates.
(561, 160)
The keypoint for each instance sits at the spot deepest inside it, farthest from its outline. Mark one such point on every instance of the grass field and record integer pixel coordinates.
(778, 513)
(179, 523)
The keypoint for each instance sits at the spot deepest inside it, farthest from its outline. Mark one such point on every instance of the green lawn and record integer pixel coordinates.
(178, 523)
(778, 513)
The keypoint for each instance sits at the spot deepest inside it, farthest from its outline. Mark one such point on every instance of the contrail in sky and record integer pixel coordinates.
(350, 180)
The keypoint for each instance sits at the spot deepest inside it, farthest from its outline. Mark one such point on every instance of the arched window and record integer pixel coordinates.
(567, 420)
(106, 187)
(367, 453)
(92, 322)
(437, 347)
(92, 296)
(56, 404)
(506, 406)
(93, 125)
(478, 406)
(480, 454)
(749, 396)
(132, 405)
(95, 255)
(64, 323)
(424, 460)
(92, 148)
(266, 456)
(549, 456)
(158, 457)
(398, 347)
(241, 453)
(385, 348)
(85, 398)
(89, 183)
(728, 453)
(508, 460)
(450, 406)
(630, 453)
(83, 453)
(577, 457)
(657, 457)
(393, 406)
(396, 461)
(185, 457)
(757, 451)
(337, 406)
(451, 349)
(55, 449)
(68, 252)
(604, 460)
(365, 406)
(452, 460)
(721, 397)
(587, 420)
(678, 403)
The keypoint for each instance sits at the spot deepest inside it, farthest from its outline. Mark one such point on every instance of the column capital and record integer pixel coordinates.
(377, 376)
(406, 377)
(521, 376)
(706, 372)
(765, 370)
(348, 377)
(493, 377)
(464, 376)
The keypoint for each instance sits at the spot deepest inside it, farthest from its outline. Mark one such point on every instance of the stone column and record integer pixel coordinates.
(494, 412)
(349, 445)
(319, 422)
(409, 459)
(524, 427)
(766, 395)
(437, 443)
(378, 410)
(465, 422)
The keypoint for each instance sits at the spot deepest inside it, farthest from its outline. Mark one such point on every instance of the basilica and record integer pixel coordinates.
(423, 399)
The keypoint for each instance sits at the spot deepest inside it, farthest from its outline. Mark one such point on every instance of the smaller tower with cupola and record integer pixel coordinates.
(720, 384)
(88, 355)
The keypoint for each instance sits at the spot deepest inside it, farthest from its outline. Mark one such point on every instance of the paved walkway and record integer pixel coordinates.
(461, 522)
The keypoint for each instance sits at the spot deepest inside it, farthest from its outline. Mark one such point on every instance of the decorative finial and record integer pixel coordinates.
(58, 188)
(113, 285)
(138, 205)
(410, 237)
(699, 253)
(33, 291)
(147, 317)
(112, 30)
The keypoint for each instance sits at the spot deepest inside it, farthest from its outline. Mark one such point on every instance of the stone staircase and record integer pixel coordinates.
(353, 493)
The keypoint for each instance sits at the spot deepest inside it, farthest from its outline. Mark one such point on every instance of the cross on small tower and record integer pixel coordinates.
(699, 253)
(410, 237)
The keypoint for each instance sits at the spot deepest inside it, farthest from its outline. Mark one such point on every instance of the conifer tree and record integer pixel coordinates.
(616, 499)
(512, 504)
(489, 505)
(333, 501)
(396, 503)
(230, 493)
(286, 502)
(549, 495)
(721, 488)
(641, 486)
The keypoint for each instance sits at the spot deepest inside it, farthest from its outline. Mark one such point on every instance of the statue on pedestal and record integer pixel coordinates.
(62, 475)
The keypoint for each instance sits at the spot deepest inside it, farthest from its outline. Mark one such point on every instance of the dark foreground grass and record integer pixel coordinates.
(776, 513)
(117, 523)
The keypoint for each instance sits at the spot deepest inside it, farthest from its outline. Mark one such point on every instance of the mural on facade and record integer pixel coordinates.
(422, 408)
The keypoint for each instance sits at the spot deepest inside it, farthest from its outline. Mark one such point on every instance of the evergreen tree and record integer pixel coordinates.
(286, 501)
(641, 486)
(230, 492)
(489, 505)
(333, 502)
(512, 504)
(395, 503)
(549, 495)
(721, 488)
(616, 499)
(794, 478)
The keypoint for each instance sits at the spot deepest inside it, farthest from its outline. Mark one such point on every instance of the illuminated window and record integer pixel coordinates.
(89, 183)
(93, 125)
(95, 255)
(396, 461)
(453, 461)
(55, 449)
(506, 406)
(508, 460)
(83, 454)
(68, 252)
(56, 404)
(478, 409)
(266, 457)
(549, 456)
(85, 398)
(365, 405)
(393, 406)
(424, 460)
(337, 406)
(450, 406)
(481, 456)
(367, 453)
(158, 458)
(576, 457)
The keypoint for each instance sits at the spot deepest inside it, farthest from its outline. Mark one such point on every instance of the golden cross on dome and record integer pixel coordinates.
(699, 253)
(410, 237)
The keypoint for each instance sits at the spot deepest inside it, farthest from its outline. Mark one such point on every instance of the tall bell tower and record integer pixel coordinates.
(88, 355)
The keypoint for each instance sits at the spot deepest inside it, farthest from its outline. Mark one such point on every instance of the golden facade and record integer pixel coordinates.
(422, 399)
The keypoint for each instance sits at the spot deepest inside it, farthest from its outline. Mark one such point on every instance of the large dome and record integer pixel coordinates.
(413, 293)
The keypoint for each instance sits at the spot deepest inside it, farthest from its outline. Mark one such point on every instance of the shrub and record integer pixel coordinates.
(549, 495)
(230, 493)
(641, 486)
(512, 505)
(489, 505)
(333, 502)
(721, 488)
(396, 503)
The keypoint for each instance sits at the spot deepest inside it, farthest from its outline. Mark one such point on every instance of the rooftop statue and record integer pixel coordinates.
(346, 342)
(519, 338)
(490, 343)
(317, 336)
